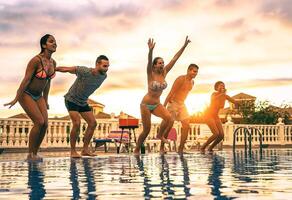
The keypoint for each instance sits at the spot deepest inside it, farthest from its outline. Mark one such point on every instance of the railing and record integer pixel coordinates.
(249, 133)
(14, 133)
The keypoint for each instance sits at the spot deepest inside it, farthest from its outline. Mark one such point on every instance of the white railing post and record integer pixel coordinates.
(30, 126)
(281, 133)
(14, 133)
(48, 135)
(63, 133)
(17, 134)
(23, 134)
(54, 134)
(44, 143)
(5, 134)
(11, 134)
(228, 132)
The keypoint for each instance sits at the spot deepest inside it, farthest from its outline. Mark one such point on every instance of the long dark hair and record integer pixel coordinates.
(43, 41)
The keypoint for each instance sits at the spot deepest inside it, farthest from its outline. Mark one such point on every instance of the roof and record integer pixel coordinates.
(102, 115)
(92, 102)
(125, 115)
(20, 116)
(243, 96)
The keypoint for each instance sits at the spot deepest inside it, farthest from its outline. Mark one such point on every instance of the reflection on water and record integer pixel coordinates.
(88, 178)
(222, 175)
(214, 176)
(36, 181)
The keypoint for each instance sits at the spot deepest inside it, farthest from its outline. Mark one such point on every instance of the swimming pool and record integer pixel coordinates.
(222, 175)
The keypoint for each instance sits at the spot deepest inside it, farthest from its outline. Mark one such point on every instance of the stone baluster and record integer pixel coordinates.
(281, 133)
(4, 141)
(22, 136)
(16, 140)
(81, 134)
(100, 126)
(11, 134)
(58, 134)
(30, 125)
(63, 134)
(104, 130)
(50, 135)
(54, 134)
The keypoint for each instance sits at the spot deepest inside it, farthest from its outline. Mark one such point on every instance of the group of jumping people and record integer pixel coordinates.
(33, 92)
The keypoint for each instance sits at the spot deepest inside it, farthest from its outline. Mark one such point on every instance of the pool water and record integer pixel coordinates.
(221, 175)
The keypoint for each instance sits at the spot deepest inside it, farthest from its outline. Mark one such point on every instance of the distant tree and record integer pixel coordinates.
(262, 113)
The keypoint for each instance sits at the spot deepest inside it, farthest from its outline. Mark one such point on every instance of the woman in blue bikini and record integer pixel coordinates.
(33, 91)
(156, 73)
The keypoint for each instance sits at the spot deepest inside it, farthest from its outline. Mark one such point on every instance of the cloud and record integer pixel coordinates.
(231, 40)
(224, 3)
(32, 17)
(279, 9)
(237, 23)
(249, 33)
(244, 85)
(66, 12)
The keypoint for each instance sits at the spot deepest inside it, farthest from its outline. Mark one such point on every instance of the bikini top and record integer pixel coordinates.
(43, 73)
(157, 86)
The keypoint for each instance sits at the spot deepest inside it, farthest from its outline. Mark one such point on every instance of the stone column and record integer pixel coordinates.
(281, 133)
(228, 131)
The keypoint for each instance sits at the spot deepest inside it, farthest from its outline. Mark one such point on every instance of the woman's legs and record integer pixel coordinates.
(162, 128)
(146, 122)
(76, 121)
(212, 125)
(32, 110)
(220, 136)
(43, 108)
(163, 113)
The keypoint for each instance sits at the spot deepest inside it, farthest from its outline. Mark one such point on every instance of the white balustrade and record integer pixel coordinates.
(14, 133)
(287, 129)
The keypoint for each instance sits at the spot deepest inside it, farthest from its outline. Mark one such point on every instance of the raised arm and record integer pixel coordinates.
(216, 95)
(30, 69)
(175, 87)
(71, 70)
(176, 56)
(231, 100)
(151, 45)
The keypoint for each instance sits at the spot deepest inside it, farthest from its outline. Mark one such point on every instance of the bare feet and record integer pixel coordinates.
(162, 151)
(74, 154)
(87, 153)
(180, 150)
(33, 157)
(202, 150)
(37, 157)
(210, 151)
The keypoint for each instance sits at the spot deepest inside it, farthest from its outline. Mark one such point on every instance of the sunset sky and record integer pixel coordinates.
(246, 44)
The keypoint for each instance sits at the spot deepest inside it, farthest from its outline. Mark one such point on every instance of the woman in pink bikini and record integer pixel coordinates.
(156, 73)
(33, 91)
